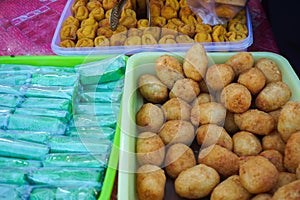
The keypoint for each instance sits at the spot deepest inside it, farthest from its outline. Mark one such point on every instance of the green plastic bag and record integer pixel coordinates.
(6, 162)
(29, 136)
(9, 100)
(97, 108)
(99, 133)
(51, 79)
(58, 114)
(47, 103)
(84, 120)
(14, 176)
(104, 97)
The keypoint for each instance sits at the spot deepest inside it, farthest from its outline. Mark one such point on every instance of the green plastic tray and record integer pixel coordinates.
(71, 61)
(142, 63)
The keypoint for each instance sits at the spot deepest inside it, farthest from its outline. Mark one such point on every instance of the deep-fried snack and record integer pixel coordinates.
(109, 4)
(85, 42)
(262, 196)
(86, 32)
(76, 4)
(105, 31)
(226, 11)
(176, 109)
(154, 31)
(89, 22)
(97, 14)
(107, 14)
(219, 34)
(270, 69)
(158, 21)
(183, 3)
(167, 39)
(202, 36)
(179, 157)
(246, 144)
(253, 79)
(148, 39)
(238, 27)
(187, 29)
(284, 178)
(275, 157)
(292, 153)
(128, 22)
(289, 191)
(134, 32)
(235, 36)
(104, 23)
(203, 97)
(185, 11)
(168, 12)
(186, 89)
(68, 32)
(118, 39)
(67, 43)
(91, 5)
(273, 141)
(173, 3)
(101, 41)
(203, 27)
(81, 13)
(155, 9)
(190, 19)
(169, 29)
(150, 149)
(142, 23)
(241, 62)
(71, 21)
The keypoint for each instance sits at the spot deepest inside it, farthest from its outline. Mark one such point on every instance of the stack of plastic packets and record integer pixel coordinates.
(52, 143)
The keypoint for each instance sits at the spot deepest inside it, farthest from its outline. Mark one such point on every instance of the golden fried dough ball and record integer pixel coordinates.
(290, 191)
(246, 144)
(255, 121)
(168, 69)
(148, 39)
(128, 22)
(203, 97)
(93, 5)
(68, 32)
(152, 89)
(89, 22)
(176, 109)
(85, 42)
(150, 182)
(208, 113)
(218, 76)
(270, 69)
(71, 21)
(104, 23)
(202, 36)
(273, 96)
(142, 23)
(183, 3)
(67, 44)
(167, 39)
(292, 152)
(196, 182)
(118, 39)
(195, 62)
(275, 157)
(226, 11)
(221, 159)
(173, 3)
(177, 131)
(239, 27)
(210, 134)
(230, 188)
(253, 79)
(241, 62)
(229, 124)
(186, 89)
(236, 98)
(185, 11)
(86, 32)
(81, 13)
(275, 114)
(168, 12)
(258, 174)
(101, 41)
(105, 31)
(284, 178)
(155, 8)
(150, 149)
(149, 117)
(262, 196)
(179, 157)
(97, 14)
(109, 4)
(289, 119)
(273, 141)
(76, 5)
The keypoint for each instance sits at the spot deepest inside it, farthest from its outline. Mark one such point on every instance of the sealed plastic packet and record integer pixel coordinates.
(216, 12)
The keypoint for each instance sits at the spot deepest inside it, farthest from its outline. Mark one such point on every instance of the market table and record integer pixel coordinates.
(27, 28)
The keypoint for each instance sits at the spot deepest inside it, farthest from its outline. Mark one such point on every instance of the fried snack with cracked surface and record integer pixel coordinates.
(142, 23)
(128, 22)
(105, 31)
(289, 191)
(210, 134)
(85, 42)
(101, 41)
(246, 144)
(86, 32)
(134, 32)
(91, 5)
(167, 39)
(270, 69)
(97, 13)
(81, 13)
(76, 5)
(148, 39)
(253, 79)
(68, 32)
(202, 36)
(235, 36)
(150, 182)
(104, 23)
(176, 109)
(158, 21)
(168, 12)
(89, 22)
(219, 34)
(118, 39)
(67, 44)
(150, 149)
(203, 27)
(176, 21)
(133, 40)
(273, 141)
(71, 21)
(241, 62)
(109, 4)
(291, 158)
(177, 131)
(186, 89)
(255, 121)
(179, 157)
(230, 188)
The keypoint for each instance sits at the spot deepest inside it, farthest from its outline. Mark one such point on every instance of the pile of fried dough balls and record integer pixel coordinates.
(239, 114)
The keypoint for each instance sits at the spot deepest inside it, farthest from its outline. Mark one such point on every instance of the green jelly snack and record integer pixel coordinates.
(6, 162)
(84, 120)
(9, 79)
(10, 89)
(30, 136)
(13, 176)
(22, 149)
(58, 114)
(92, 132)
(51, 79)
(15, 192)
(9, 100)
(36, 123)
(47, 103)
(97, 108)
(51, 92)
(105, 97)
(106, 87)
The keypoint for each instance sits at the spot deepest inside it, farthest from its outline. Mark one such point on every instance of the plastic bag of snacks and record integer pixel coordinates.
(215, 12)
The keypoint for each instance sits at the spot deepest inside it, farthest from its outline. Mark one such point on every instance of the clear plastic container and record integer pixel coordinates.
(241, 45)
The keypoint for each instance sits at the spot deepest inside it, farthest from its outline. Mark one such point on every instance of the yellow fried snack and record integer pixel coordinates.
(67, 44)
(97, 13)
(158, 21)
(167, 30)
(71, 21)
(235, 36)
(133, 40)
(134, 32)
(203, 27)
(167, 39)
(168, 12)
(238, 27)
(219, 34)
(109, 4)
(101, 41)
(89, 22)
(105, 31)
(183, 4)
(120, 29)
(155, 9)
(226, 11)
(128, 22)
(118, 39)
(86, 32)
(85, 42)
(176, 21)
(76, 4)
(81, 13)
(187, 29)
(173, 3)
(142, 23)
(93, 4)
(148, 39)
(190, 19)
(184, 39)
(104, 23)
(186, 11)
(68, 32)
(241, 16)
(203, 36)
(154, 31)
(128, 12)
(107, 14)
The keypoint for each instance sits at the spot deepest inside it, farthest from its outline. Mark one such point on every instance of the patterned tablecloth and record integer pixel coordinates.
(27, 28)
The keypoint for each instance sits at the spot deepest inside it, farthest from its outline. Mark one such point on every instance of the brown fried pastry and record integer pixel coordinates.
(184, 39)
(86, 32)
(167, 39)
(238, 27)
(199, 19)
(168, 12)
(154, 31)
(109, 4)
(104, 31)
(183, 4)
(89, 22)
(134, 32)
(219, 34)
(81, 13)
(91, 5)
(186, 11)
(155, 9)
(241, 16)
(118, 39)
(187, 29)
(71, 21)
(101, 41)
(97, 13)
(85, 42)
(133, 41)
(235, 36)
(130, 4)
(148, 39)
(107, 14)
(67, 44)
(76, 4)
(190, 19)
(226, 11)
(173, 3)
(120, 29)
(128, 22)
(142, 23)
(128, 12)
(203, 36)
(68, 32)
(104, 23)
(176, 21)
(158, 21)
(203, 27)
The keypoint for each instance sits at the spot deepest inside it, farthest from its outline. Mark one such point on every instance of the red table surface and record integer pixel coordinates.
(27, 28)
